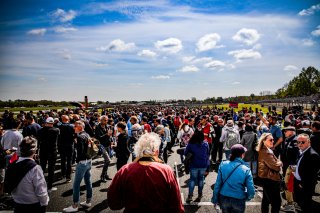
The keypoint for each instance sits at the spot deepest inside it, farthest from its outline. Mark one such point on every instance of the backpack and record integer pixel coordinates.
(177, 122)
(16, 172)
(93, 149)
(232, 138)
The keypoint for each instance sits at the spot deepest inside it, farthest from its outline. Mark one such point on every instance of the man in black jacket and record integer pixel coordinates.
(103, 133)
(83, 168)
(306, 173)
(66, 147)
(217, 145)
(48, 140)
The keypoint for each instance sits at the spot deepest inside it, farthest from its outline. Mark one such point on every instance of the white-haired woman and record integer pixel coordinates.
(268, 170)
(145, 185)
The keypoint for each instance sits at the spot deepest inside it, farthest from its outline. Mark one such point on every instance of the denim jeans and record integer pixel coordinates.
(83, 170)
(232, 205)
(196, 178)
(107, 160)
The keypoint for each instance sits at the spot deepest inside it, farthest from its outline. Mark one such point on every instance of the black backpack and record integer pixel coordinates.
(15, 173)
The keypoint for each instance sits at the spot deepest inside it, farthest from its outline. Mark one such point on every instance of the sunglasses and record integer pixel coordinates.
(271, 139)
(301, 142)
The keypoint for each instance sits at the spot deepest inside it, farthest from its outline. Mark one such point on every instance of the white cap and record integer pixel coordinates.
(49, 120)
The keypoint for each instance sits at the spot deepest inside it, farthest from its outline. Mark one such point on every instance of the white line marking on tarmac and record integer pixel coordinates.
(211, 204)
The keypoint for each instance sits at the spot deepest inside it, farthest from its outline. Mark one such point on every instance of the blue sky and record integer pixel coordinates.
(153, 50)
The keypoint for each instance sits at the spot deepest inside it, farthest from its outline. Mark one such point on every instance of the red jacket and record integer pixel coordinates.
(145, 188)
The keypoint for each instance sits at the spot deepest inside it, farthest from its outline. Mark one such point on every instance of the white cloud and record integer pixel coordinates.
(160, 77)
(60, 15)
(202, 60)
(135, 85)
(61, 29)
(191, 68)
(38, 32)
(245, 54)
(208, 42)
(42, 79)
(290, 68)
(170, 45)
(67, 56)
(100, 65)
(187, 59)
(310, 11)
(316, 32)
(117, 46)
(235, 83)
(215, 64)
(194, 60)
(247, 36)
(147, 53)
(257, 47)
(231, 66)
(308, 42)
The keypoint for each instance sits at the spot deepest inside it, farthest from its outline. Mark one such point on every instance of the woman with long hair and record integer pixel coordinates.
(268, 170)
(199, 165)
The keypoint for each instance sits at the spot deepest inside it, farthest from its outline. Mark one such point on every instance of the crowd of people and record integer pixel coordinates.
(245, 146)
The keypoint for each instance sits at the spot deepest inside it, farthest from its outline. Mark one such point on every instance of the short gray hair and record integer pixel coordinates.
(28, 146)
(158, 128)
(147, 144)
(80, 123)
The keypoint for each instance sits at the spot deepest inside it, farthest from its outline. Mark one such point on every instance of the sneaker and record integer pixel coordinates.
(70, 209)
(52, 189)
(68, 180)
(189, 199)
(85, 204)
(287, 208)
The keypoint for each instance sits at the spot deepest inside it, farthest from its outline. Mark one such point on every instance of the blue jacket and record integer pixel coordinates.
(200, 154)
(240, 183)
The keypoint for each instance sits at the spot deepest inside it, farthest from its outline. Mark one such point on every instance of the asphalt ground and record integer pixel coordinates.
(63, 196)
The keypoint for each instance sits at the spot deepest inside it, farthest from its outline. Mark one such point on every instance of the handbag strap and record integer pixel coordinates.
(228, 175)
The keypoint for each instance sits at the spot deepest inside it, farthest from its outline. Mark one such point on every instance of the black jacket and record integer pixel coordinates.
(102, 135)
(291, 151)
(48, 140)
(66, 138)
(121, 149)
(82, 146)
(308, 169)
(315, 141)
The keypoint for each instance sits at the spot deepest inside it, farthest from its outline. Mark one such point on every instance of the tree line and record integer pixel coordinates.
(307, 83)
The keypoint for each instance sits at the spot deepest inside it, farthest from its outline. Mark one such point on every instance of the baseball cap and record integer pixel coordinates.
(49, 120)
(289, 128)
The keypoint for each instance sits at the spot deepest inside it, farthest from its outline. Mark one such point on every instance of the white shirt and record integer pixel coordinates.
(11, 138)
